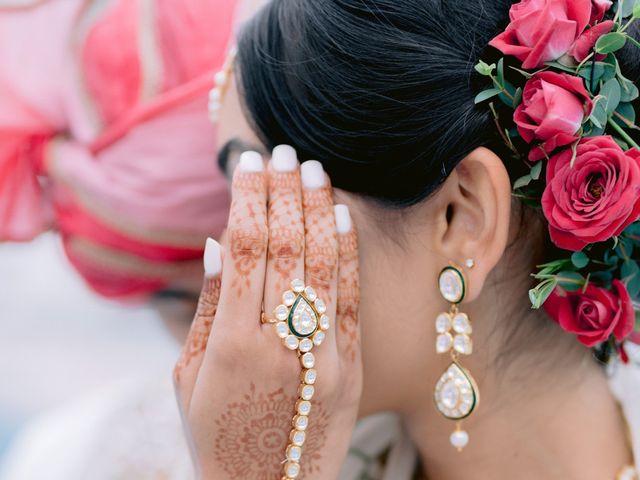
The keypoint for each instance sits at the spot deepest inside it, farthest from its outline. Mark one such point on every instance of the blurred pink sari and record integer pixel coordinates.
(104, 134)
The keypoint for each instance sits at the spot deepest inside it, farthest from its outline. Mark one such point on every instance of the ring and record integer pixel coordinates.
(264, 319)
(301, 323)
(301, 320)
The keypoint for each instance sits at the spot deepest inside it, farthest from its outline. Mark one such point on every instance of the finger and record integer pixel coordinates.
(347, 323)
(243, 271)
(285, 260)
(186, 370)
(321, 244)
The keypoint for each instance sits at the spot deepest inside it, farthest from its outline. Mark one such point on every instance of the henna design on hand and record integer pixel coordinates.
(321, 240)
(286, 229)
(253, 433)
(247, 236)
(349, 292)
(196, 342)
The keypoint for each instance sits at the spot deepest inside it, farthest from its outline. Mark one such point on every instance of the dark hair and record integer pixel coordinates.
(380, 91)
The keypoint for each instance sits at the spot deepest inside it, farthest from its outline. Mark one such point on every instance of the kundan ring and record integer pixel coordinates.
(301, 323)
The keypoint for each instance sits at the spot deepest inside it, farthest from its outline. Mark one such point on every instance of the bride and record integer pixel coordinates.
(476, 193)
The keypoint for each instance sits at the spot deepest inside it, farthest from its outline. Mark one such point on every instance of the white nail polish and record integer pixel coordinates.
(343, 218)
(312, 174)
(212, 258)
(251, 162)
(284, 158)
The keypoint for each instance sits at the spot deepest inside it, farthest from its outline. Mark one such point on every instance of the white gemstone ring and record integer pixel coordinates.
(300, 321)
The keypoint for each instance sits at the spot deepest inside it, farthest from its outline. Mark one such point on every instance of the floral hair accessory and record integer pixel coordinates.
(572, 124)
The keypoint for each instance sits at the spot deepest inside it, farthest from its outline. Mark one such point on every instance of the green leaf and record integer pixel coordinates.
(517, 97)
(599, 112)
(611, 91)
(508, 99)
(562, 67)
(629, 91)
(570, 281)
(541, 292)
(580, 259)
(611, 42)
(484, 69)
(626, 111)
(486, 95)
(621, 143)
(526, 75)
(522, 181)
(501, 71)
(535, 170)
(636, 10)
(630, 273)
(628, 7)
(601, 71)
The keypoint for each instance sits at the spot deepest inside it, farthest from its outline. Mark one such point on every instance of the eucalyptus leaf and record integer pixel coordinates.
(535, 170)
(621, 143)
(570, 281)
(517, 97)
(522, 182)
(486, 95)
(599, 112)
(580, 259)
(500, 71)
(636, 10)
(628, 90)
(627, 6)
(626, 111)
(611, 42)
(630, 273)
(611, 91)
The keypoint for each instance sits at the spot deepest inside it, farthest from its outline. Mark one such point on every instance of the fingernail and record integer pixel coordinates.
(251, 162)
(212, 258)
(312, 174)
(343, 218)
(284, 158)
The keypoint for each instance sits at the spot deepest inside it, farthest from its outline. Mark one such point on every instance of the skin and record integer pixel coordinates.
(236, 382)
(546, 410)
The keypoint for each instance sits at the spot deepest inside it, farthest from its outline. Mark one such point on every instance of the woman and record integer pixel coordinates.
(440, 187)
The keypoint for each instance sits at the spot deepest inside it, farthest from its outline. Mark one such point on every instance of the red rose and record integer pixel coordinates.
(552, 110)
(598, 9)
(594, 199)
(588, 39)
(593, 315)
(543, 30)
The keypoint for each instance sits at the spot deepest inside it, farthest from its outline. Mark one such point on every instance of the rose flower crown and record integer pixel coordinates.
(571, 110)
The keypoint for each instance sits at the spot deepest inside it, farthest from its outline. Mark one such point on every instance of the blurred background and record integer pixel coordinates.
(60, 342)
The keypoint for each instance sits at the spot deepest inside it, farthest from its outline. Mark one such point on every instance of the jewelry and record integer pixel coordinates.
(456, 394)
(301, 323)
(221, 80)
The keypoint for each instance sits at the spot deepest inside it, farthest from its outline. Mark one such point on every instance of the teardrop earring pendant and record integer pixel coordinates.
(456, 394)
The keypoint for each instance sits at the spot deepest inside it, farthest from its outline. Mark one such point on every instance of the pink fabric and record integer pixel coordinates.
(121, 89)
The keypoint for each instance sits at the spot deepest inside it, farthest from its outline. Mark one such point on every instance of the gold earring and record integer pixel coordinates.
(456, 394)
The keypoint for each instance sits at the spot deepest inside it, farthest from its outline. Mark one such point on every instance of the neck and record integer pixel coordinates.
(568, 427)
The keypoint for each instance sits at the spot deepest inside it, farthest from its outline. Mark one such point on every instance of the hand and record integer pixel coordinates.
(237, 383)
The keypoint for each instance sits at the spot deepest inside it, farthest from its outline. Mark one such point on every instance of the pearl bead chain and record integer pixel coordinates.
(221, 80)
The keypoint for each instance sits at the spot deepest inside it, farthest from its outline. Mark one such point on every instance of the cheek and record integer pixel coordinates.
(233, 123)
(399, 304)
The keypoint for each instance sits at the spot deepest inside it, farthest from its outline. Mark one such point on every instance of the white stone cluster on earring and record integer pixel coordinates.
(456, 393)
(221, 81)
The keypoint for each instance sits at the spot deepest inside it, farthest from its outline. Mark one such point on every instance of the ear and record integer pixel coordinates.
(474, 211)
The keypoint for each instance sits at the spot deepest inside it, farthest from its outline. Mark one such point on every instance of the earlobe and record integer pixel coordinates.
(477, 195)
